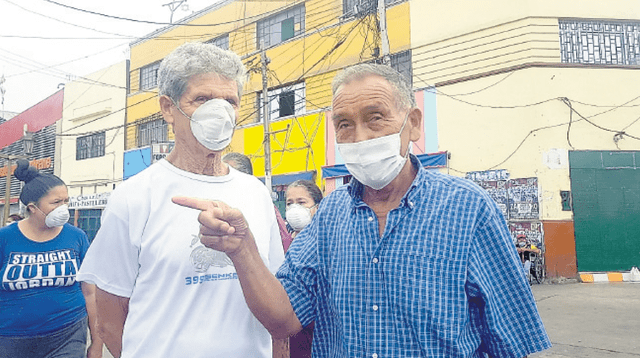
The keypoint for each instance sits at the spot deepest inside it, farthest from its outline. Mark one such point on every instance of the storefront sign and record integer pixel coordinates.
(93, 201)
(160, 151)
(39, 164)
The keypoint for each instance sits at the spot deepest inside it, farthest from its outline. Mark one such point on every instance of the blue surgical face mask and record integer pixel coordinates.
(213, 123)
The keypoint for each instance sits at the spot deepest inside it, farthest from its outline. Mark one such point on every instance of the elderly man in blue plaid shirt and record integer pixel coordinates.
(401, 262)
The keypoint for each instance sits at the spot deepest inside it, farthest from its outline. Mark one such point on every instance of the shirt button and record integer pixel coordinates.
(374, 355)
(375, 307)
(375, 260)
(370, 218)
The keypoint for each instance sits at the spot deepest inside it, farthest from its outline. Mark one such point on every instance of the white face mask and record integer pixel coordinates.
(212, 123)
(375, 162)
(298, 216)
(57, 217)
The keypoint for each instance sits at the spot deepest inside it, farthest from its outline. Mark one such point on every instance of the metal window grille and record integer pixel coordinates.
(362, 7)
(149, 76)
(220, 41)
(600, 42)
(90, 146)
(280, 27)
(153, 131)
(284, 101)
(401, 62)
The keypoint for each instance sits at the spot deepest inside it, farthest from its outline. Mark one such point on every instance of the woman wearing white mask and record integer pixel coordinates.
(303, 198)
(44, 309)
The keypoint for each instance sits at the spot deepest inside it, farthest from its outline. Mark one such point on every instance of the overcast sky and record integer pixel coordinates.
(43, 45)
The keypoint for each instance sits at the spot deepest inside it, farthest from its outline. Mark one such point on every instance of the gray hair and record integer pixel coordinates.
(403, 91)
(239, 161)
(194, 58)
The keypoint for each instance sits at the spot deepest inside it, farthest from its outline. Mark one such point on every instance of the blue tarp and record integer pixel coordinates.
(285, 179)
(429, 160)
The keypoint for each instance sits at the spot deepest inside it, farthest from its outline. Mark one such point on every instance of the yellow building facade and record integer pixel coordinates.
(545, 92)
(306, 43)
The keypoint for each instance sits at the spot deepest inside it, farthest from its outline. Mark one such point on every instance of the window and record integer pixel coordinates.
(284, 101)
(153, 131)
(149, 76)
(362, 7)
(89, 222)
(600, 42)
(280, 27)
(90, 146)
(401, 62)
(220, 41)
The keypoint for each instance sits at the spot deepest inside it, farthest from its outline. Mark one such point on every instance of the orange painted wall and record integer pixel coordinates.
(560, 249)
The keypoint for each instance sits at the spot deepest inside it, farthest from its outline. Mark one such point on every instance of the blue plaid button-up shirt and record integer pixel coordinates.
(444, 280)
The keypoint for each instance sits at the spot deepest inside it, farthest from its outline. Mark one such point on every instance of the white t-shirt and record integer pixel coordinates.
(185, 299)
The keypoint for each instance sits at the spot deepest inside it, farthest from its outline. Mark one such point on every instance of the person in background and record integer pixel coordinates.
(161, 293)
(44, 311)
(525, 249)
(389, 265)
(242, 163)
(302, 199)
(13, 218)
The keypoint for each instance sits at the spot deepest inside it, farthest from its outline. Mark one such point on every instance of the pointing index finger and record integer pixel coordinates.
(193, 203)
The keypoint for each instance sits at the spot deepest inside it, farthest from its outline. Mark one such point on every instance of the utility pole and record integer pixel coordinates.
(384, 36)
(173, 6)
(266, 113)
(27, 142)
(7, 190)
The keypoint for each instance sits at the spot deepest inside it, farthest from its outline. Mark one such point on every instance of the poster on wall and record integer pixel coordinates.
(497, 190)
(532, 229)
(523, 198)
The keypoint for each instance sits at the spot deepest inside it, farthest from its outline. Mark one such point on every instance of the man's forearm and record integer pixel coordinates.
(264, 294)
(112, 313)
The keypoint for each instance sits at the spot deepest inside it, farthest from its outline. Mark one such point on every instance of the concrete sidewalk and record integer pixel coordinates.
(590, 320)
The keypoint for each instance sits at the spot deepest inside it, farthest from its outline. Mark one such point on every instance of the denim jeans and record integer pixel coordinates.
(68, 342)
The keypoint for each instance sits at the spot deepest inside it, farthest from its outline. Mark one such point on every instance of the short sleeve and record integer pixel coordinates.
(501, 301)
(111, 262)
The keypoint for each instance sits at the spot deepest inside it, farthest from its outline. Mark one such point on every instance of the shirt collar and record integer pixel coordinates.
(356, 189)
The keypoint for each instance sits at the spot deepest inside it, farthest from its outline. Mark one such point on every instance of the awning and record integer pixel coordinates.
(428, 160)
(285, 179)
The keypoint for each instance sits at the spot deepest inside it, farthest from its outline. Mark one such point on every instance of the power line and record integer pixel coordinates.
(64, 22)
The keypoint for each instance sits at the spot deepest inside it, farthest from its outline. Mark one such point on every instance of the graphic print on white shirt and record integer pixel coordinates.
(203, 257)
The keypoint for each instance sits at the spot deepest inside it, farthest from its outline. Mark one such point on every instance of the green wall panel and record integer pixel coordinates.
(606, 206)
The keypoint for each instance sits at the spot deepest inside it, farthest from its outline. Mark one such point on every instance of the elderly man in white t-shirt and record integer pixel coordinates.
(161, 293)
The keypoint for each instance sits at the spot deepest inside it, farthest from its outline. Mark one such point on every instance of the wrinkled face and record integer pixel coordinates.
(57, 196)
(365, 109)
(300, 195)
(200, 89)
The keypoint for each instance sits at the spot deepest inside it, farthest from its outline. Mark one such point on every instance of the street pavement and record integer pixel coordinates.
(590, 320)
(587, 320)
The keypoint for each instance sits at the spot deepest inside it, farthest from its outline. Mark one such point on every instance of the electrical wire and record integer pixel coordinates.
(64, 22)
